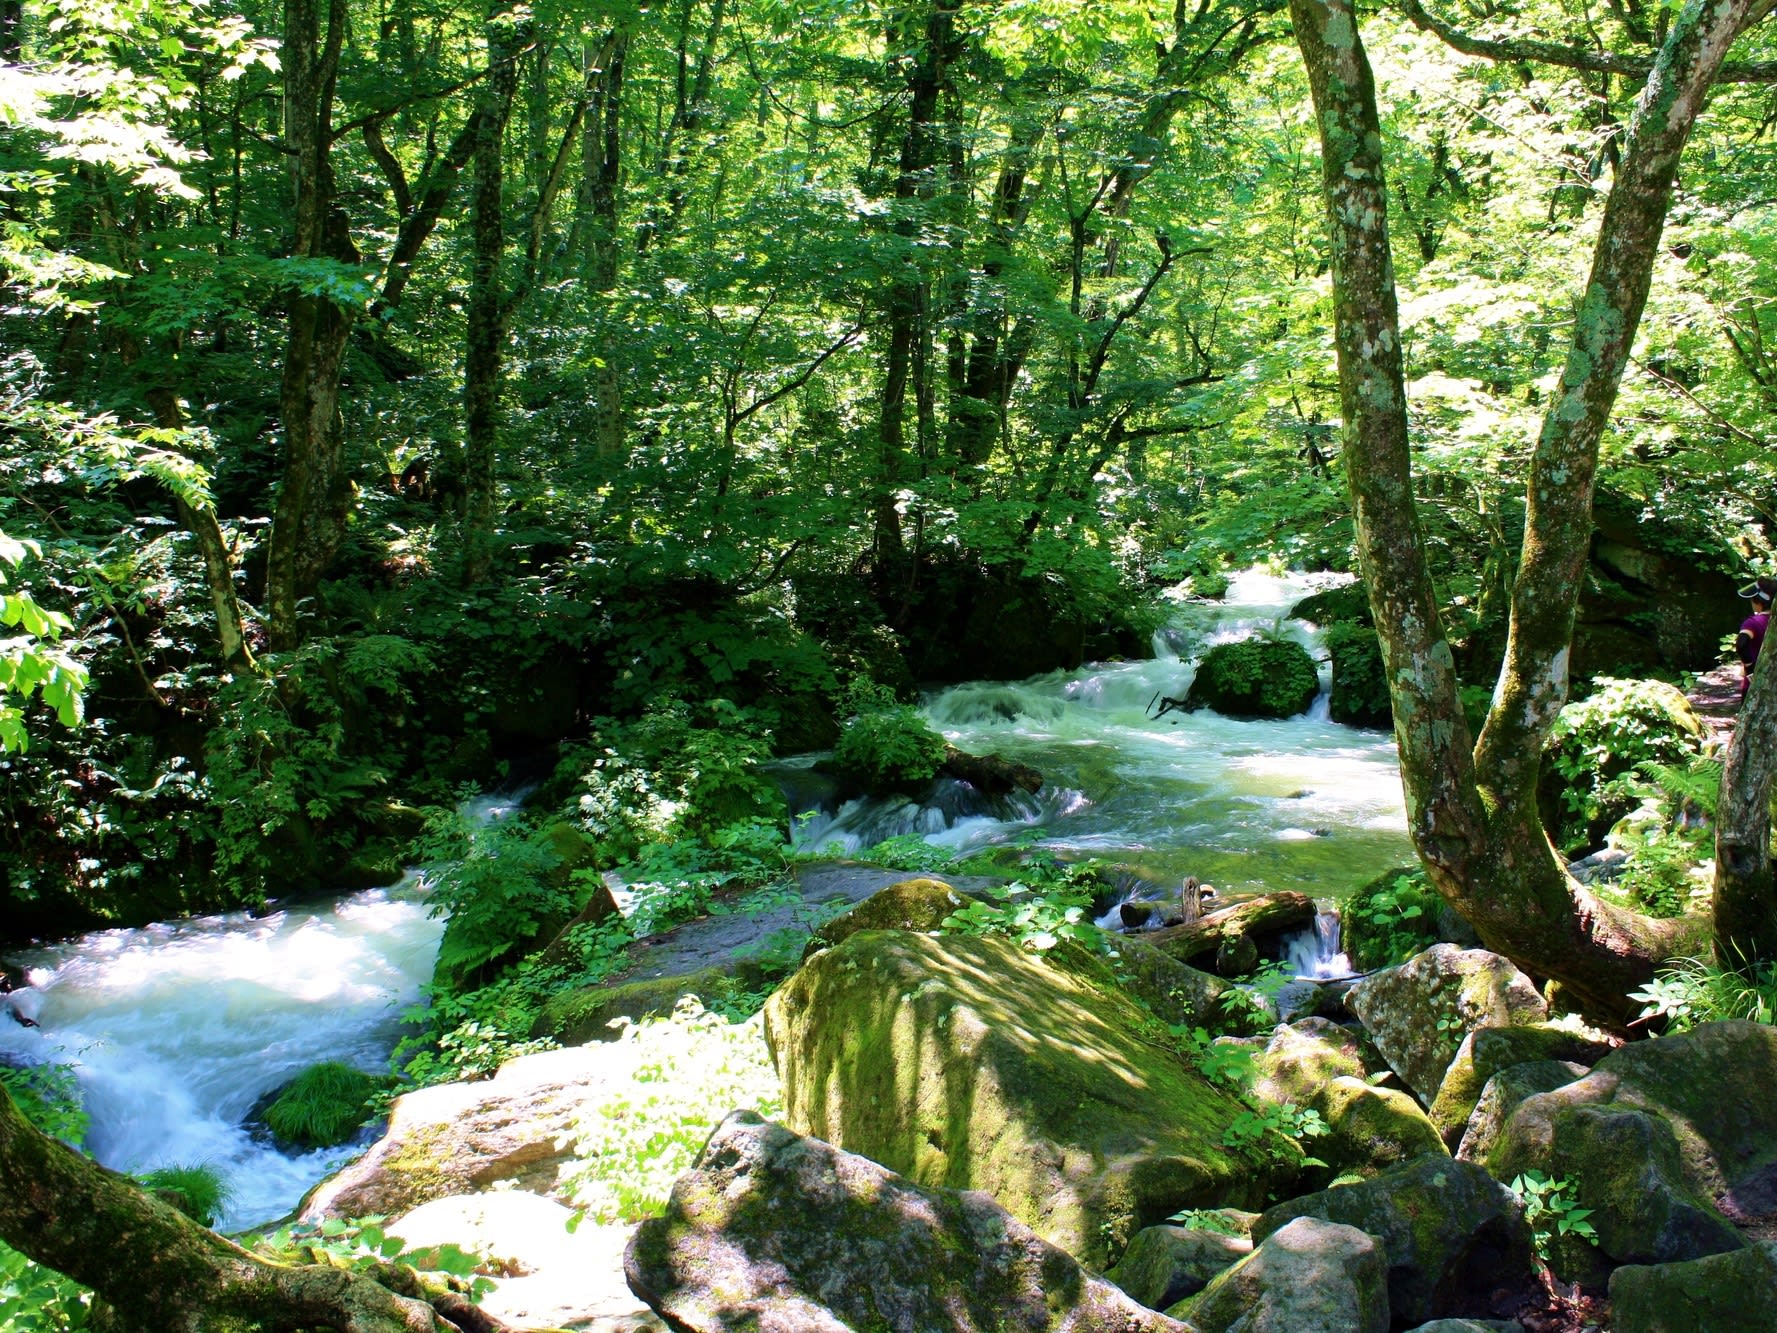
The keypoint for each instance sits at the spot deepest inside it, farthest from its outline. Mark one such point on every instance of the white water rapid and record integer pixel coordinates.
(1302, 804)
(176, 1030)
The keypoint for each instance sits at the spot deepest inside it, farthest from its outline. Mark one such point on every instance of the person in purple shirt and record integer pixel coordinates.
(1762, 592)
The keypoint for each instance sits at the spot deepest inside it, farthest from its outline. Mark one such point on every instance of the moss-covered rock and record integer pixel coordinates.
(1486, 1051)
(1165, 1264)
(1723, 1293)
(1371, 1130)
(914, 904)
(1302, 1057)
(1255, 678)
(573, 1017)
(1359, 693)
(970, 1063)
(1346, 604)
(1504, 1091)
(1712, 1088)
(1311, 1276)
(1419, 1013)
(773, 1231)
(1176, 992)
(1452, 1235)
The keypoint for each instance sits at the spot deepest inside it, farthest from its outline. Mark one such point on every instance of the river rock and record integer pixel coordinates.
(971, 1063)
(1722, 1293)
(1310, 1276)
(463, 1138)
(1453, 1236)
(1165, 1264)
(1175, 992)
(1371, 1130)
(1419, 1013)
(588, 1013)
(1486, 1051)
(548, 1276)
(1302, 1057)
(774, 1233)
(1501, 1096)
(1255, 678)
(914, 904)
(1710, 1091)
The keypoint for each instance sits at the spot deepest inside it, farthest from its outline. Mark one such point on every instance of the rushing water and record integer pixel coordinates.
(1301, 804)
(176, 1030)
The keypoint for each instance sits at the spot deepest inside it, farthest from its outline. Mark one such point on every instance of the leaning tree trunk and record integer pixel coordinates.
(1745, 892)
(1472, 813)
(156, 1269)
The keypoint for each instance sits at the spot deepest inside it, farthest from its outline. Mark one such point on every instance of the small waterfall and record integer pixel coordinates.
(1313, 955)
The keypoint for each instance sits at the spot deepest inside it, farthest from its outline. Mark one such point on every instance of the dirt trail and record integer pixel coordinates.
(1716, 697)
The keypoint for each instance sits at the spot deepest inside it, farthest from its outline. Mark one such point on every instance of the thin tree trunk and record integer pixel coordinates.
(601, 157)
(315, 498)
(1745, 893)
(1472, 815)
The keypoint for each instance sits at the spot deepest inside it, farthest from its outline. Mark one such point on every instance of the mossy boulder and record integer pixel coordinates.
(1453, 1237)
(1311, 1276)
(970, 1063)
(1165, 1264)
(1371, 1130)
(1256, 678)
(322, 1107)
(919, 904)
(773, 1231)
(1486, 1051)
(1502, 1095)
(574, 1017)
(1349, 603)
(1669, 1141)
(1419, 1013)
(1722, 1293)
(1302, 1057)
(1175, 992)
(1359, 693)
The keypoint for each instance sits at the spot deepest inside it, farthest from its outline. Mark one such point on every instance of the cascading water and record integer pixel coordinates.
(1314, 955)
(1302, 804)
(176, 1030)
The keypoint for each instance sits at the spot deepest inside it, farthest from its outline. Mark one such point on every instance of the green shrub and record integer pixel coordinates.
(49, 1097)
(1596, 745)
(1360, 685)
(200, 1192)
(1255, 678)
(890, 749)
(1689, 991)
(1389, 920)
(323, 1106)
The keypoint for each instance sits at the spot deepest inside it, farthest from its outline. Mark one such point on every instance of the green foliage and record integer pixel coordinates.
(1360, 686)
(323, 1106)
(28, 663)
(1036, 919)
(1689, 991)
(364, 1245)
(49, 1097)
(499, 886)
(890, 749)
(1389, 920)
(1207, 1219)
(35, 1299)
(200, 1192)
(1598, 742)
(1231, 1064)
(1551, 1211)
(1262, 677)
(1255, 1126)
(688, 1071)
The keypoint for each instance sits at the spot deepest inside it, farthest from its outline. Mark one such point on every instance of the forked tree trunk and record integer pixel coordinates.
(1472, 812)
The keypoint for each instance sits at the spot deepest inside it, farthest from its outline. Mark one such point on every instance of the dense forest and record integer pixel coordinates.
(401, 400)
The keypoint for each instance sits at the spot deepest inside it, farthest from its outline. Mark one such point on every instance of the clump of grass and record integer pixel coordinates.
(200, 1192)
(323, 1106)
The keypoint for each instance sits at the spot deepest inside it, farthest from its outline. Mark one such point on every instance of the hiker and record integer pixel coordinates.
(1762, 591)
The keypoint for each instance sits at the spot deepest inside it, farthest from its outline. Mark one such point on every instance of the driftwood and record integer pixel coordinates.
(1270, 915)
(990, 774)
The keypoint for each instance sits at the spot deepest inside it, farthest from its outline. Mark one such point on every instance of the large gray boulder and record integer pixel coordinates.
(1419, 1013)
(1660, 1138)
(1165, 1264)
(971, 1063)
(1310, 1276)
(1723, 1293)
(1453, 1236)
(774, 1233)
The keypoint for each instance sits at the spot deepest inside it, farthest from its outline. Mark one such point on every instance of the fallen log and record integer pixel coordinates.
(1271, 914)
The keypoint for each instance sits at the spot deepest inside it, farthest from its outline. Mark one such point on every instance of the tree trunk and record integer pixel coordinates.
(1472, 814)
(486, 316)
(315, 498)
(1745, 894)
(601, 156)
(156, 1269)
